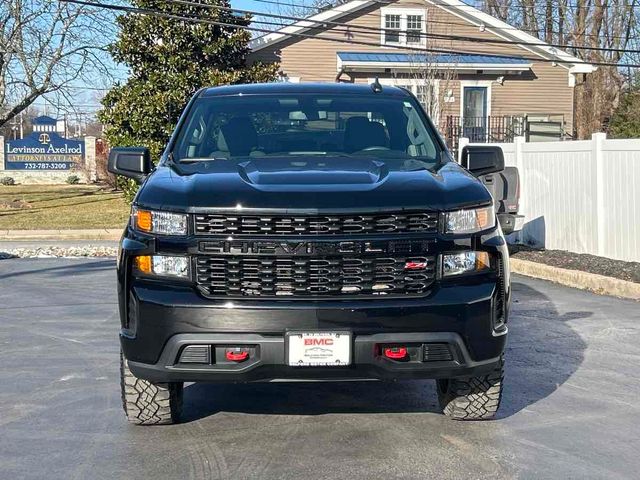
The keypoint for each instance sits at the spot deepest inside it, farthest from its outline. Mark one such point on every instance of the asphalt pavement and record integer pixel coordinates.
(570, 409)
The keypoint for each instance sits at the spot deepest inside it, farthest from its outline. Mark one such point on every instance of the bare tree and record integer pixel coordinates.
(49, 48)
(433, 76)
(432, 80)
(588, 28)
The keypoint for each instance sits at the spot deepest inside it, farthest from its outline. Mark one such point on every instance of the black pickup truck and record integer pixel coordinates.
(311, 232)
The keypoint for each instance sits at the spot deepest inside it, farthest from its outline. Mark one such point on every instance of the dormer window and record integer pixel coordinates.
(392, 28)
(403, 26)
(414, 29)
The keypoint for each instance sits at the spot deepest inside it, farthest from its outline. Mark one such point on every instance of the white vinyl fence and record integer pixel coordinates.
(581, 196)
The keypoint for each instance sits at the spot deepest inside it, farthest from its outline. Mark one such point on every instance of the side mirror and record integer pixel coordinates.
(482, 159)
(132, 162)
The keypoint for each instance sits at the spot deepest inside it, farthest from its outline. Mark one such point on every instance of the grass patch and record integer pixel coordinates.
(36, 207)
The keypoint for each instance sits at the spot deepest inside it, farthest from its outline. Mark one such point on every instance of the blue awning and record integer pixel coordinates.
(401, 59)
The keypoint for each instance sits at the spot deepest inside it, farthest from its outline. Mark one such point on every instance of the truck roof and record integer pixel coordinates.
(297, 88)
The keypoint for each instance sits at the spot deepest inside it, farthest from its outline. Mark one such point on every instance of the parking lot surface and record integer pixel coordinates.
(570, 410)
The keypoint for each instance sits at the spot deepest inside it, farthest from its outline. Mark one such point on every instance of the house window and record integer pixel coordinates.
(425, 90)
(414, 29)
(403, 26)
(392, 28)
(426, 95)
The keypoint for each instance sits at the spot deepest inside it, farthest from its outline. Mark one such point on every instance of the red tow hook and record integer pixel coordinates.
(237, 355)
(395, 353)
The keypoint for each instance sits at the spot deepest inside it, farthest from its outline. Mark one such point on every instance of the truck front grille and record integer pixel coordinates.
(331, 276)
(217, 224)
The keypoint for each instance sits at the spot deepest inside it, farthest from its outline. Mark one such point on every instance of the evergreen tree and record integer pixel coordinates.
(168, 61)
(625, 122)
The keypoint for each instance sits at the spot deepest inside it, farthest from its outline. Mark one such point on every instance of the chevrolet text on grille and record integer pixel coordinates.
(261, 247)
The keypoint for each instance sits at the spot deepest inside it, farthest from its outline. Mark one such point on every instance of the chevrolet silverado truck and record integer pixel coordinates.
(310, 232)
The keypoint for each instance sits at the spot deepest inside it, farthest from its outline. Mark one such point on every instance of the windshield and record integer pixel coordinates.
(303, 125)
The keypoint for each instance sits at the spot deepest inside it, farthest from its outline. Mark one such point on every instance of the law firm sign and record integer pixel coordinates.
(43, 151)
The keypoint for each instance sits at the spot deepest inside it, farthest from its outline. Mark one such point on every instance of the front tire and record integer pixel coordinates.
(472, 398)
(147, 403)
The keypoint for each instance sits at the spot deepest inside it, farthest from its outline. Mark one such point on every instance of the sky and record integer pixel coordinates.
(89, 99)
(249, 5)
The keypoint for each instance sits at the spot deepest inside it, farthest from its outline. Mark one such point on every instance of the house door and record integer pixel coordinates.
(474, 120)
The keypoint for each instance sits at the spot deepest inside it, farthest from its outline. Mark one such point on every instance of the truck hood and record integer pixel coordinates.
(280, 184)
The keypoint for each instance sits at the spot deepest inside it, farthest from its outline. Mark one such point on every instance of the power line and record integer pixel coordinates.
(185, 2)
(97, 89)
(160, 14)
(298, 5)
(593, 7)
(525, 8)
(61, 107)
(367, 29)
(377, 15)
(322, 23)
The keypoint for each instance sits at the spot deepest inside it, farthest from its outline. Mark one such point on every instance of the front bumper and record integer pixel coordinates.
(162, 320)
(269, 362)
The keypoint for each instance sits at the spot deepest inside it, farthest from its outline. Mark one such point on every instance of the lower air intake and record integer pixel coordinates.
(437, 352)
(196, 354)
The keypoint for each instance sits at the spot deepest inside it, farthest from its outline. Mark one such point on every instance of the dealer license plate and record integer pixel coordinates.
(319, 349)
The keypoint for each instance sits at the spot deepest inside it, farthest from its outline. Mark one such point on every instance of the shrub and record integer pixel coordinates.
(7, 181)
(128, 186)
(73, 179)
(625, 122)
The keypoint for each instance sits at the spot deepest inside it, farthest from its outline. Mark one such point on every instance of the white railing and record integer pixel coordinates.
(581, 196)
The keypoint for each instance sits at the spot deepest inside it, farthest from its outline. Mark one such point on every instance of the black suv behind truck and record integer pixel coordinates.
(310, 232)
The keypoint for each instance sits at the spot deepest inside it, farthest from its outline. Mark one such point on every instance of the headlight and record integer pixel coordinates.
(470, 221)
(465, 262)
(162, 223)
(162, 265)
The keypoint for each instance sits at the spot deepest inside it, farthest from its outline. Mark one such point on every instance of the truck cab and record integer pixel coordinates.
(306, 232)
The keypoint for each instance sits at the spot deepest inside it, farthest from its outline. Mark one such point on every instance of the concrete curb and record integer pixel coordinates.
(82, 234)
(577, 279)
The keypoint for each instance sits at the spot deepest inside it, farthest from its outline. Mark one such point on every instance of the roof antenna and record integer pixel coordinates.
(375, 86)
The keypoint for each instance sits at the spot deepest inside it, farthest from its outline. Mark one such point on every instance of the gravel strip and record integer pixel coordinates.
(629, 271)
(55, 251)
